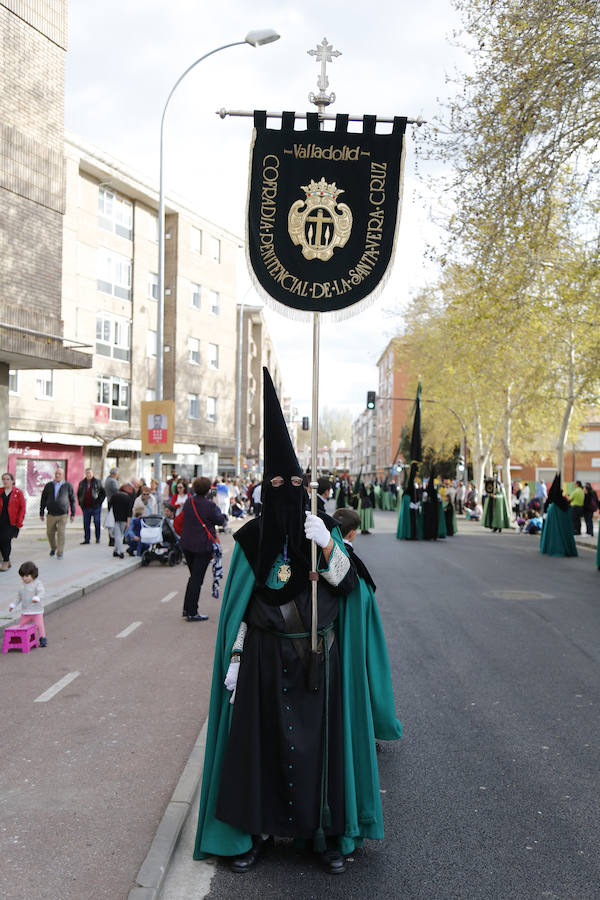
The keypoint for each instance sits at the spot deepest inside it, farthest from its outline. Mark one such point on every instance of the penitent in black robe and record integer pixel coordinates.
(273, 763)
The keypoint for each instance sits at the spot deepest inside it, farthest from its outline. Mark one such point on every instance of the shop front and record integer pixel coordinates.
(33, 459)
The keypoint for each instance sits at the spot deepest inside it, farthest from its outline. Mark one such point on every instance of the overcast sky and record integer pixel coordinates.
(124, 56)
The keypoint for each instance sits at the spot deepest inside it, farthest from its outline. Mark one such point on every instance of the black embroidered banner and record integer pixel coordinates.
(323, 210)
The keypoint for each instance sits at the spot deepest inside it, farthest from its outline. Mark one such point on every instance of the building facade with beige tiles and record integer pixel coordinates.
(33, 329)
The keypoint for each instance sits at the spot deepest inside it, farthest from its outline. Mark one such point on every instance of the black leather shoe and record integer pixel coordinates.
(248, 860)
(197, 618)
(333, 862)
(84, 542)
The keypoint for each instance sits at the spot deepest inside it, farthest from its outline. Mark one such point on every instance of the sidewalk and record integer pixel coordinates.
(82, 569)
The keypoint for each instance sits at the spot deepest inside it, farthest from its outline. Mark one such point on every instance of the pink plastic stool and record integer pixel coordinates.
(19, 637)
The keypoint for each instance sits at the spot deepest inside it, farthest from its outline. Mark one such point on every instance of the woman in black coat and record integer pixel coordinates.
(200, 519)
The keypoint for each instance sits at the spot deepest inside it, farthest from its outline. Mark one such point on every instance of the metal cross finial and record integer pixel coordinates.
(324, 54)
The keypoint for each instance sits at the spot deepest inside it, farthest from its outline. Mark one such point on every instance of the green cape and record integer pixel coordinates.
(368, 713)
(367, 521)
(500, 517)
(557, 537)
(403, 529)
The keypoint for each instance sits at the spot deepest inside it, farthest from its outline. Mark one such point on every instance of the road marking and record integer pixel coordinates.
(169, 596)
(129, 629)
(52, 691)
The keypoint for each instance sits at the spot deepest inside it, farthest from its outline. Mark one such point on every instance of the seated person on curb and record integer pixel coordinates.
(133, 534)
(474, 513)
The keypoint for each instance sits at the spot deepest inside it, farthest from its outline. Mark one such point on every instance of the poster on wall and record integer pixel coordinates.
(157, 421)
(39, 471)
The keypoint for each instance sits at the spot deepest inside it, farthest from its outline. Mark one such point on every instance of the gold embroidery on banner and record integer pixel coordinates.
(320, 224)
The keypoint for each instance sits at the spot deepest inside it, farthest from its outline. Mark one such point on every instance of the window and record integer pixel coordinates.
(195, 240)
(193, 406)
(113, 336)
(114, 393)
(194, 351)
(213, 356)
(150, 393)
(13, 381)
(151, 344)
(153, 229)
(115, 213)
(211, 409)
(153, 285)
(44, 384)
(214, 249)
(213, 302)
(195, 295)
(114, 274)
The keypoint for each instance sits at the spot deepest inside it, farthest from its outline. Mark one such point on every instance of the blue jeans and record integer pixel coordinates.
(88, 514)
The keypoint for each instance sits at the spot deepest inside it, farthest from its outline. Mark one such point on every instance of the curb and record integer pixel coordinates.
(75, 593)
(152, 872)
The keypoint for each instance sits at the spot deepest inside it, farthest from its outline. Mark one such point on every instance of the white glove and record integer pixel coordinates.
(316, 530)
(232, 676)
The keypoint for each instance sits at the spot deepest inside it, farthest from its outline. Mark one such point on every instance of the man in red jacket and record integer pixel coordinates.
(12, 513)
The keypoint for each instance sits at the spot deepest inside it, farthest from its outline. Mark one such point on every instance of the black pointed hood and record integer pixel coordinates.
(409, 487)
(280, 457)
(555, 494)
(283, 506)
(416, 447)
(432, 496)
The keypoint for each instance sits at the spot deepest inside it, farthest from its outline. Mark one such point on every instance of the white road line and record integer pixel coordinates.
(129, 629)
(50, 693)
(169, 596)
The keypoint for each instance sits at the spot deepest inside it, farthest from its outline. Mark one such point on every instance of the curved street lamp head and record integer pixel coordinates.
(262, 36)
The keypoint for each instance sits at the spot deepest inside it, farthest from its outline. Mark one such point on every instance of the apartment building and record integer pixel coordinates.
(392, 411)
(109, 302)
(32, 200)
(364, 444)
(256, 351)
(334, 458)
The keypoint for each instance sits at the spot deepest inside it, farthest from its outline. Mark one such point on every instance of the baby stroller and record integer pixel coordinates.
(156, 533)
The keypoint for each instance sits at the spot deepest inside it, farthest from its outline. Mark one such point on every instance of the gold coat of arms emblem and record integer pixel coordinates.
(319, 223)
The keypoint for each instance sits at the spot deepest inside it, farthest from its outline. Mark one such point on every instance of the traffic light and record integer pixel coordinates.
(305, 423)
(371, 396)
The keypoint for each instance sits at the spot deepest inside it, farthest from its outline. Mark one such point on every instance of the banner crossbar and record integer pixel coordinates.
(323, 117)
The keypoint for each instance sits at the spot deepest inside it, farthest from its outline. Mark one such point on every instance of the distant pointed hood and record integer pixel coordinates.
(416, 448)
(555, 494)
(409, 487)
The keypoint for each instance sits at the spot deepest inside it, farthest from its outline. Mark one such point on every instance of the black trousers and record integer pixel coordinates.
(197, 564)
(6, 536)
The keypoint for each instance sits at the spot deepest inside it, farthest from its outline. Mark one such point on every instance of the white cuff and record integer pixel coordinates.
(338, 566)
(241, 636)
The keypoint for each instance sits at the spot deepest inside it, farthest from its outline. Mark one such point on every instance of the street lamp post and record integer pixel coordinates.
(254, 39)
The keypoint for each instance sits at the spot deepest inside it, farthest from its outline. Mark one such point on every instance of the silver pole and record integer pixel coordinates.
(323, 117)
(313, 473)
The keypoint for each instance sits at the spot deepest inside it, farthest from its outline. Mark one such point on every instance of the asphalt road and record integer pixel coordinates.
(87, 771)
(493, 790)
